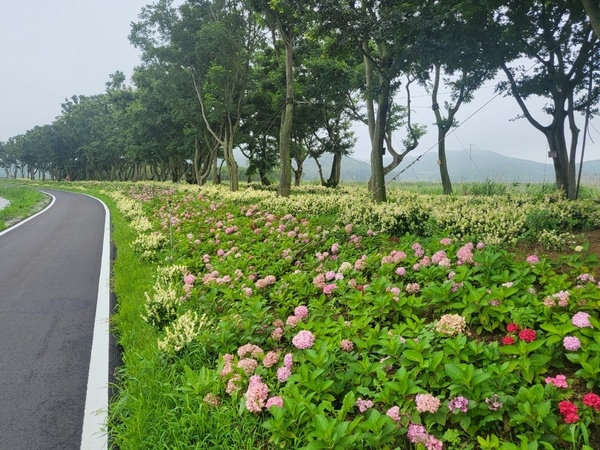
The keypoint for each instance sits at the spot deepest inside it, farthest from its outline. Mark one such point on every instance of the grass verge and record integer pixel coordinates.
(24, 201)
(146, 398)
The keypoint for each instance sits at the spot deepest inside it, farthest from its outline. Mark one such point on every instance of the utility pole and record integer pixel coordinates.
(471, 162)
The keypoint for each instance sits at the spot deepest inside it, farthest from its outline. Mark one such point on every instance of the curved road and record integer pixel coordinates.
(50, 267)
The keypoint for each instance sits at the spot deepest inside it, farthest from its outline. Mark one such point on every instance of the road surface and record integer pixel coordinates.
(50, 267)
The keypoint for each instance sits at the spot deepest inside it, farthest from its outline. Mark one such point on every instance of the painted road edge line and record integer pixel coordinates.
(94, 435)
(18, 224)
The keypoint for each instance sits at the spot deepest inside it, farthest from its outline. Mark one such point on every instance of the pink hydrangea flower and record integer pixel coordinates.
(458, 404)
(301, 311)
(303, 340)
(189, 279)
(394, 413)
(363, 405)
(283, 373)
(347, 345)
(560, 381)
(292, 321)
(254, 350)
(266, 281)
(493, 402)
(438, 256)
(288, 360)
(581, 320)
(256, 395)
(417, 433)
(465, 254)
(427, 402)
(571, 343)
(413, 288)
(233, 384)
(212, 399)
(247, 291)
(329, 288)
(248, 365)
(274, 401)
(277, 333)
(533, 259)
(270, 359)
(446, 241)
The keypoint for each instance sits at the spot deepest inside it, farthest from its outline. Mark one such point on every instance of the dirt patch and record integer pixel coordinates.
(535, 248)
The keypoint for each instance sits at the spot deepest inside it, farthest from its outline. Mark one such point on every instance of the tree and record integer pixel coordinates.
(286, 19)
(213, 42)
(450, 39)
(377, 31)
(559, 39)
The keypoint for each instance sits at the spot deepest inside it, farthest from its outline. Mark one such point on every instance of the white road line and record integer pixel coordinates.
(94, 436)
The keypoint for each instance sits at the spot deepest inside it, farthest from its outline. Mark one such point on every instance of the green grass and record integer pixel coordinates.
(24, 201)
(149, 397)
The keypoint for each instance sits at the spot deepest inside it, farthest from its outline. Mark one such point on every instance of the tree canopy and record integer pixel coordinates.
(281, 81)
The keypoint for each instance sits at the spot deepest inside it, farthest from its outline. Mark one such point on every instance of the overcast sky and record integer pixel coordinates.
(53, 49)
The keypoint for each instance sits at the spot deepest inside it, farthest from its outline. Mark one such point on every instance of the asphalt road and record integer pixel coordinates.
(49, 273)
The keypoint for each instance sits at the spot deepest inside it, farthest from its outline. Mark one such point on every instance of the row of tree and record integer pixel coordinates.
(283, 80)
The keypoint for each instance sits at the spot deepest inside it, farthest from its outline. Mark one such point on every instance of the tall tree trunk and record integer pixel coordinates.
(232, 165)
(443, 127)
(563, 158)
(336, 171)
(285, 134)
(298, 173)
(377, 127)
(564, 167)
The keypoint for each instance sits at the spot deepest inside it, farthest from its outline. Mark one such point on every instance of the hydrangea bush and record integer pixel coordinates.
(321, 316)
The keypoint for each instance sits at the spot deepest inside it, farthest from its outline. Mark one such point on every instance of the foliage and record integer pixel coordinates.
(323, 334)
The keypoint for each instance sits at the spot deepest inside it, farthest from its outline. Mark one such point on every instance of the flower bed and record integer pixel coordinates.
(308, 320)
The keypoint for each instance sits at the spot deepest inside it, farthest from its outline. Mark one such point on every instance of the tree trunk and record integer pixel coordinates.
(336, 171)
(232, 165)
(377, 126)
(216, 179)
(564, 167)
(298, 173)
(442, 131)
(592, 8)
(285, 134)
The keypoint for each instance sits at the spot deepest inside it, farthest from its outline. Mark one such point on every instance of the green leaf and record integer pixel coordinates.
(413, 355)
(539, 360)
(532, 346)
(316, 445)
(479, 377)
(550, 328)
(455, 373)
(510, 350)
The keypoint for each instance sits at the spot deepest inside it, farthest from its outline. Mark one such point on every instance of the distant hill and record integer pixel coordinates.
(480, 165)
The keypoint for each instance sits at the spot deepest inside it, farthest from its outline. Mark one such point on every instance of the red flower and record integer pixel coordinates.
(566, 407)
(571, 418)
(512, 327)
(508, 340)
(527, 335)
(592, 400)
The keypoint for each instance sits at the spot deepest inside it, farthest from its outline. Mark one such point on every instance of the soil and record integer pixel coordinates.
(591, 237)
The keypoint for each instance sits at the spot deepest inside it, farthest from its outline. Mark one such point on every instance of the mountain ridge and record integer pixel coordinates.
(476, 166)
